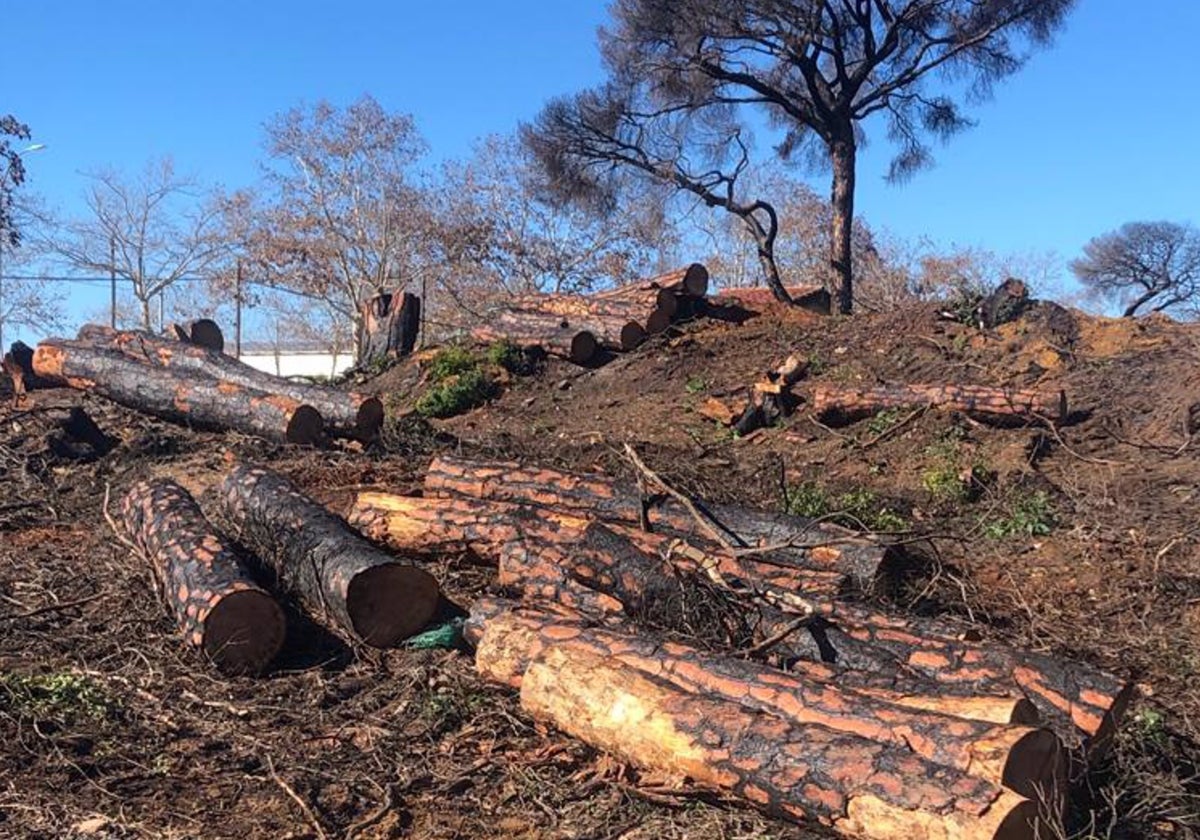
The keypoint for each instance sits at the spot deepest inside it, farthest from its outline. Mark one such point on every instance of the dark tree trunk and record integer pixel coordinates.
(842, 155)
(346, 413)
(338, 574)
(182, 397)
(218, 606)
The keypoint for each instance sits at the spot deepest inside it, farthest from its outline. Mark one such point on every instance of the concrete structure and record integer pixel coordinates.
(295, 359)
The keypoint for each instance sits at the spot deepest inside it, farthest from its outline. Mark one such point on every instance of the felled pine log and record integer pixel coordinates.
(839, 404)
(203, 332)
(345, 413)
(1026, 759)
(217, 605)
(855, 786)
(339, 576)
(690, 282)
(391, 322)
(797, 541)
(436, 525)
(1084, 704)
(556, 335)
(180, 396)
(619, 324)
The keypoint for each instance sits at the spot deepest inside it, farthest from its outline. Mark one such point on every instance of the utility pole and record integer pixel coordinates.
(112, 281)
(237, 312)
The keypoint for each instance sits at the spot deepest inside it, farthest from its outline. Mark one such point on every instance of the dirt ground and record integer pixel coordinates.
(1082, 540)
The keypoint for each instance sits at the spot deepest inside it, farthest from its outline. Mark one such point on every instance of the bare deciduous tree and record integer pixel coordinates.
(1155, 264)
(151, 230)
(12, 175)
(819, 69)
(339, 215)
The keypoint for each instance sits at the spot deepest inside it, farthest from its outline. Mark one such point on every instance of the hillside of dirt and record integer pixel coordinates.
(1080, 539)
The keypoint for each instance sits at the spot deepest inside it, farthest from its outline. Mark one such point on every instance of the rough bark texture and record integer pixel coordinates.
(390, 324)
(218, 606)
(621, 324)
(772, 399)
(179, 396)
(204, 333)
(436, 525)
(16, 375)
(687, 282)
(837, 404)
(817, 546)
(338, 574)
(555, 334)
(815, 299)
(1025, 759)
(855, 786)
(345, 413)
(842, 154)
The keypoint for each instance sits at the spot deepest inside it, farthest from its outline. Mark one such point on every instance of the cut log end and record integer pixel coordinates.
(583, 347)
(390, 602)
(632, 335)
(695, 280)
(306, 426)
(370, 418)
(206, 333)
(1036, 766)
(660, 318)
(244, 632)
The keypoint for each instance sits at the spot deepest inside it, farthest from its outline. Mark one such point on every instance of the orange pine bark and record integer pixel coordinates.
(837, 404)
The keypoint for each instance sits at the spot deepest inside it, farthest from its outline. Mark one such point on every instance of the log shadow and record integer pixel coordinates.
(730, 313)
(308, 645)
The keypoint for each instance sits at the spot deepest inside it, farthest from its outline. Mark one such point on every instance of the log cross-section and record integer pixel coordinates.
(337, 574)
(218, 606)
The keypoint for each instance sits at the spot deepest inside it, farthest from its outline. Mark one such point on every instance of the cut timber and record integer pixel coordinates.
(772, 398)
(179, 396)
(619, 324)
(219, 608)
(315, 554)
(837, 404)
(345, 413)
(437, 525)
(204, 333)
(811, 545)
(813, 298)
(391, 322)
(1025, 759)
(1091, 700)
(505, 663)
(810, 772)
(684, 282)
(555, 334)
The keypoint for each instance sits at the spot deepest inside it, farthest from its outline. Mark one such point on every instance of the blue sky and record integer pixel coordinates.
(1099, 130)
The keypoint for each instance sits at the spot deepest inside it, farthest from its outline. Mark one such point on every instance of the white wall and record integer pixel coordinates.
(300, 364)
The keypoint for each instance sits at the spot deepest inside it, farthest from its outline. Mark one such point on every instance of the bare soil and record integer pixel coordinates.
(1083, 541)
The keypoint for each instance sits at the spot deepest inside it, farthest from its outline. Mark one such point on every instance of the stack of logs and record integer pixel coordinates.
(577, 327)
(797, 702)
(195, 384)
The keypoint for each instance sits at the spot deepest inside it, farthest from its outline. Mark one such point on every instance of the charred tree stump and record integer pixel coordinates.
(556, 335)
(204, 333)
(836, 404)
(391, 322)
(335, 572)
(772, 399)
(345, 413)
(181, 397)
(1025, 759)
(810, 545)
(217, 605)
(799, 772)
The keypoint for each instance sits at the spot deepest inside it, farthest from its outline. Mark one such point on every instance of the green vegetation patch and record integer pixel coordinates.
(859, 509)
(63, 698)
(1025, 514)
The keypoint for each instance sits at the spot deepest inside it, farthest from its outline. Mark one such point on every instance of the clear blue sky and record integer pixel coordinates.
(1101, 129)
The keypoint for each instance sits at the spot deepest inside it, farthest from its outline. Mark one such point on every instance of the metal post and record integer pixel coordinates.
(112, 280)
(237, 313)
